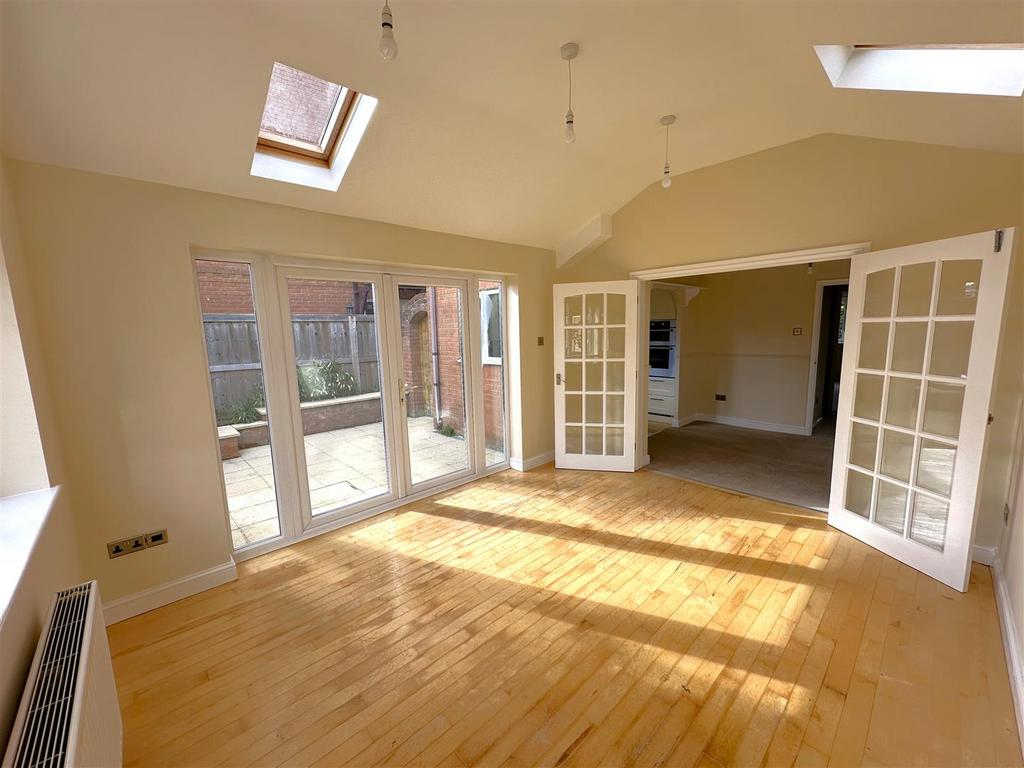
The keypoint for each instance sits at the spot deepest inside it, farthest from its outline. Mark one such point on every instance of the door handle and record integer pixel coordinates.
(558, 379)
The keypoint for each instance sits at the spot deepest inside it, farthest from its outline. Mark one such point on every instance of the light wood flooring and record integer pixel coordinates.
(572, 619)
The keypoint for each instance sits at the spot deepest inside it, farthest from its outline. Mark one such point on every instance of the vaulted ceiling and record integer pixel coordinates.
(468, 134)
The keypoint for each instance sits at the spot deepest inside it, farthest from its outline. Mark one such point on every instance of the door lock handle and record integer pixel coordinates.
(558, 379)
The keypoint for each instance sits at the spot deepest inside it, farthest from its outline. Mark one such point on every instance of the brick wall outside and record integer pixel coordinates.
(225, 289)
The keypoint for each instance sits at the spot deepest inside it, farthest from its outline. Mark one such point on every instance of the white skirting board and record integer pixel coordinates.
(524, 465)
(132, 605)
(1011, 646)
(764, 426)
(983, 555)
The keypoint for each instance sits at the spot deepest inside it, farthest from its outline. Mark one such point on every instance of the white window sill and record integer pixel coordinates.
(22, 517)
(492, 361)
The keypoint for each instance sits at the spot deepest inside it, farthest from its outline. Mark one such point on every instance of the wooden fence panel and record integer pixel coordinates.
(232, 345)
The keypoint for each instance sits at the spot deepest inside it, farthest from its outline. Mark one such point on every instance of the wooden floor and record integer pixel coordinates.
(573, 619)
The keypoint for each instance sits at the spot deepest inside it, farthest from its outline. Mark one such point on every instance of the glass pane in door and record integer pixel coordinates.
(337, 359)
(492, 355)
(913, 383)
(594, 404)
(235, 364)
(433, 351)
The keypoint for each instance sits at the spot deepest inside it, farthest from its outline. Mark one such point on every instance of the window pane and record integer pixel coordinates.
(595, 309)
(878, 293)
(928, 525)
(958, 287)
(874, 341)
(614, 439)
(935, 466)
(897, 452)
(616, 309)
(236, 377)
(574, 377)
(574, 409)
(433, 352)
(492, 336)
(299, 105)
(951, 349)
(334, 330)
(908, 347)
(863, 445)
(891, 506)
(858, 493)
(867, 400)
(916, 289)
(901, 409)
(573, 310)
(943, 406)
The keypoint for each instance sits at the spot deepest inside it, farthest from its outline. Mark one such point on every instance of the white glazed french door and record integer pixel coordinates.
(922, 329)
(595, 338)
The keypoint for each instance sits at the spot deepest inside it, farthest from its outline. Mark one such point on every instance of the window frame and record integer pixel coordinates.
(485, 357)
(341, 115)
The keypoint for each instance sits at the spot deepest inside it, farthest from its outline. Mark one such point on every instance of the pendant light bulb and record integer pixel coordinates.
(666, 173)
(569, 51)
(388, 46)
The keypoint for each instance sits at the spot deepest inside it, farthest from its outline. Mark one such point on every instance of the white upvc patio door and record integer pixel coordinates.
(431, 359)
(922, 329)
(334, 325)
(595, 350)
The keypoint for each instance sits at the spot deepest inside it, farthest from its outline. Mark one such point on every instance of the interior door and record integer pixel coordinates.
(595, 339)
(922, 329)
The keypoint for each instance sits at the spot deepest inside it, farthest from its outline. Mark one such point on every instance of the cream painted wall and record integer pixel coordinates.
(827, 190)
(23, 464)
(109, 271)
(738, 340)
(22, 467)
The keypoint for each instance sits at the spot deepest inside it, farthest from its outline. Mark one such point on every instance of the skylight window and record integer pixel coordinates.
(984, 70)
(303, 113)
(310, 129)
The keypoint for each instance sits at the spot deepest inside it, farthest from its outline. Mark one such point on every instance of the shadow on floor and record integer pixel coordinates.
(793, 469)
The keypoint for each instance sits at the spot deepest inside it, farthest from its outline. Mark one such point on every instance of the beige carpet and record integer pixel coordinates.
(790, 468)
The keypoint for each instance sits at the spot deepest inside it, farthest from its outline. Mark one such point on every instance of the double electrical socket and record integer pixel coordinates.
(136, 543)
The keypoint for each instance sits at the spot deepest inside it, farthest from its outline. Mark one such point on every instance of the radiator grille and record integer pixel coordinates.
(44, 739)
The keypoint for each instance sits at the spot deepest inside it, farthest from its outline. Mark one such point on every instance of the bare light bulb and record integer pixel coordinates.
(666, 178)
(388, 46)
(570, 128)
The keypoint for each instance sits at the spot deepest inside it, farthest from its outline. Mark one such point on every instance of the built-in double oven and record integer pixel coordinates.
(662, 348)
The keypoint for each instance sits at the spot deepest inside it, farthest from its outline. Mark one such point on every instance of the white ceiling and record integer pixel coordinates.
(467, 136)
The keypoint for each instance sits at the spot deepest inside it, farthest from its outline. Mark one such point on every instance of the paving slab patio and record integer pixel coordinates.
(343, 466)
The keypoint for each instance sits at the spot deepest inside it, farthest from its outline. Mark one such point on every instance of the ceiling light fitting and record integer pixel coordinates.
(388, 46)
(666, 174)
(569, 52)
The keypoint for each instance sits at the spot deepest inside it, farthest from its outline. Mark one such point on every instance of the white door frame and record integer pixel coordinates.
(276, 350)
(470, 373)
(812, 375)
(381, 317)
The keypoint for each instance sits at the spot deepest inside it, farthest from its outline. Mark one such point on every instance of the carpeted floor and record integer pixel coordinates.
(788, 468)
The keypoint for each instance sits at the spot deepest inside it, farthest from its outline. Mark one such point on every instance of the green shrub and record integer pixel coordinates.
(324, 380)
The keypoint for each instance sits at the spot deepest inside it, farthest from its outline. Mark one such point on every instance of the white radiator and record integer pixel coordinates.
(69, 714)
